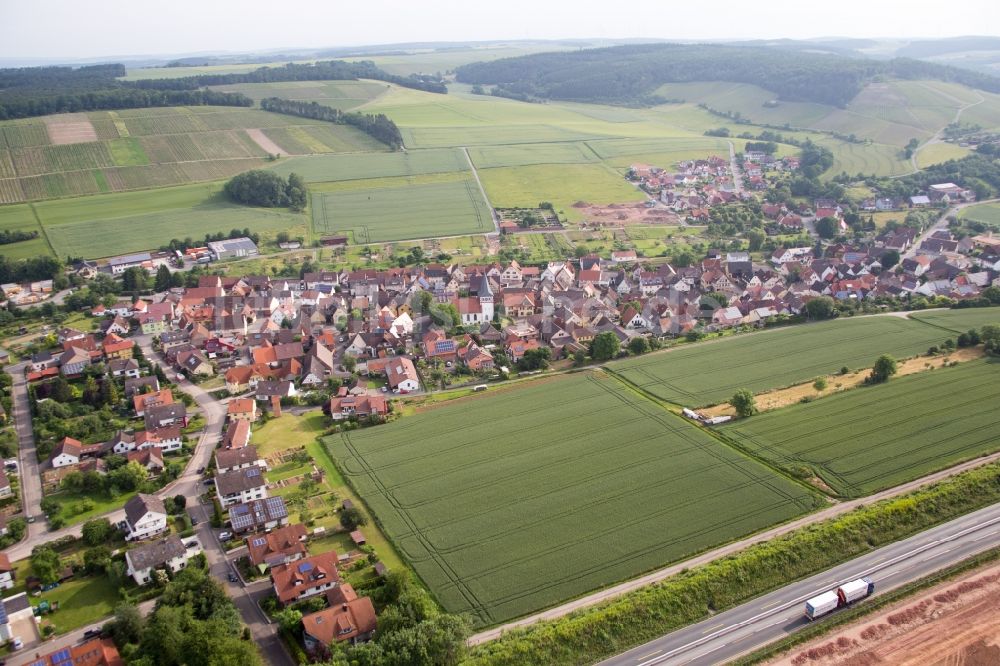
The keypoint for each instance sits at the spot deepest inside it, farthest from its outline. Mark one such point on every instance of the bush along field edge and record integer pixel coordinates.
(637, 617)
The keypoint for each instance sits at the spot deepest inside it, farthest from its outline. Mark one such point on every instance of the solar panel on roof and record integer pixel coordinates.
(305, 567)
(446, 346)
(259, 541)
(253, 471)
(62, 657)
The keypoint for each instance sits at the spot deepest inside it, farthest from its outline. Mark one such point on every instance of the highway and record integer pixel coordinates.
(773, 616)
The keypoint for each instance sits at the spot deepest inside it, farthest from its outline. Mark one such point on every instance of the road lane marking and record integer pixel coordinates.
(773, 603)
(647, 656)
(714, 628)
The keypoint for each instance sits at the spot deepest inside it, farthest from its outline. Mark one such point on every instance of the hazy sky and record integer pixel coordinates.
(74, 28)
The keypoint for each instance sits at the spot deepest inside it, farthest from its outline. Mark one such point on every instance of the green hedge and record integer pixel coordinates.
(632, 619)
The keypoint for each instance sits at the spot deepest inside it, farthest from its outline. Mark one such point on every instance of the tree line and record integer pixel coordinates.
(329, 70)
(29, 270)
(8, 236)
(630, 74)
(378, 125)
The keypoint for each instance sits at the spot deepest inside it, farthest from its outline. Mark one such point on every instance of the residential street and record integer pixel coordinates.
(188, 484)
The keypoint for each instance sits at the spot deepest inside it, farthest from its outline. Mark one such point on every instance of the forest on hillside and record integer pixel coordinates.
(631, 74)
(330, 70)
(38, 91)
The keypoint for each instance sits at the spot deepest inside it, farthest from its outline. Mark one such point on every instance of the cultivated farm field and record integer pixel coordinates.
(563, 185)
(136, 149)
(402, 208)
(710, 372)
(508, 503)
(357, 166)
(344, 95)
(110, 224)
(959, 321)
(21, 218)
(871, 438)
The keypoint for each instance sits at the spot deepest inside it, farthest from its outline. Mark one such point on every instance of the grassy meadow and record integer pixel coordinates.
(710, 372)
(511, 502)
(871, 438)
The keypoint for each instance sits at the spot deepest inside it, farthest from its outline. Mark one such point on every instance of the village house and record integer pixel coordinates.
(402, 375)
(171, 554)
(237, 434)
(145, 517)
(67, 452)
(7, 572)
(151, 459)
(230, 459)
(241, 485)
(359, 406)
(279, 546)
(305, 578)
(349, 618)
(258, 515)
(162, 416)
(242, 409)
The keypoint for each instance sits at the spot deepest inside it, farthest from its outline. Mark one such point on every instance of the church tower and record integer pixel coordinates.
(486, 299)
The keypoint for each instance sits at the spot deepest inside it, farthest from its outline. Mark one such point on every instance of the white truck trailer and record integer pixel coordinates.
(844, 595)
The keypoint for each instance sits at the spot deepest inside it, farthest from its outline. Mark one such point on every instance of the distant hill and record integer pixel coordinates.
(630, 74)
(930, 48)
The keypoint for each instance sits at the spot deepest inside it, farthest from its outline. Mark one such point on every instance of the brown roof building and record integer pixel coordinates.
(349, 618)
(305, 578)
(280, 546)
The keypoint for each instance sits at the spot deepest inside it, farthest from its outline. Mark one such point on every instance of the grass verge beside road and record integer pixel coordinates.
(637, 617)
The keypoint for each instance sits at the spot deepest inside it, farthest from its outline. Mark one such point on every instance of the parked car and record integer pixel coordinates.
(225, 536)
(16, 643)
(232, 577)
(207, 482)
(201, 470)
(92, 633)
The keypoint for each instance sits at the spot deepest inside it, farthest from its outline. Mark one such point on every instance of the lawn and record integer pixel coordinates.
(70, 505)
(82, 601)
(111, 224)
(563, 185)
(871, 438)
(515, 501)
(402, 209)
(286, 432)
(710, 372)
